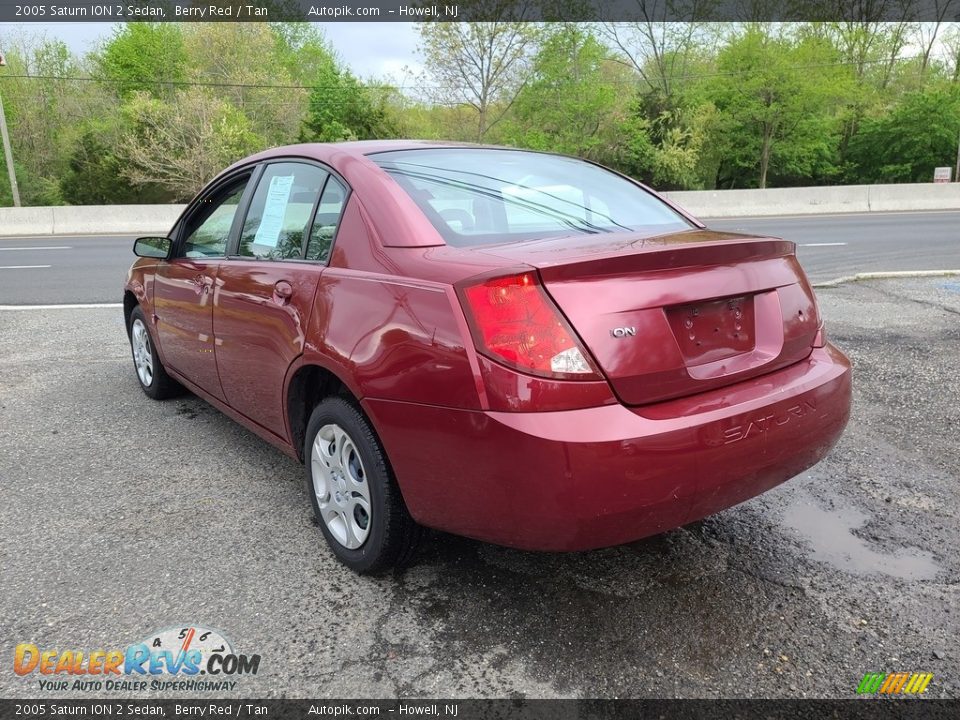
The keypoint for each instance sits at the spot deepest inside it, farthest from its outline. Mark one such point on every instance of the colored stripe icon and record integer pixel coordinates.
(894, 683)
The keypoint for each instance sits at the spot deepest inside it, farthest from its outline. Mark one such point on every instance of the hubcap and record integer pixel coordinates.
(340, 483)
(142, 352)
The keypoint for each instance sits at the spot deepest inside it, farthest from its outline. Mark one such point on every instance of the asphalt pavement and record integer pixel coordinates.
(122, 516)
(62, 269)
(832, 246)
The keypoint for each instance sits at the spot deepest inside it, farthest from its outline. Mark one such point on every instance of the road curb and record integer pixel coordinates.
(892, 275)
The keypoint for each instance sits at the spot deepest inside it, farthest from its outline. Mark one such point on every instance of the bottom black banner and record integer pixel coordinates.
(469, 709)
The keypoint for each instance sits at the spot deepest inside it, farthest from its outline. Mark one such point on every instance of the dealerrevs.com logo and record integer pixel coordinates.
(188, 658)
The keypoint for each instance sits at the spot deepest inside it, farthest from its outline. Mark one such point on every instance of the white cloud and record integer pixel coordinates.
(381, 49)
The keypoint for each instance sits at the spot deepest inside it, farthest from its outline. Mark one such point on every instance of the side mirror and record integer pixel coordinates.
(152, 247)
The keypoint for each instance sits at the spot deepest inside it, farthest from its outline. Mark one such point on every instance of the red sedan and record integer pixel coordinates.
(519, 347)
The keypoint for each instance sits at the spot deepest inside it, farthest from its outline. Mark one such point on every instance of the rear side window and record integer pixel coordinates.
(276, 223)
(326, 220)
(477, 196)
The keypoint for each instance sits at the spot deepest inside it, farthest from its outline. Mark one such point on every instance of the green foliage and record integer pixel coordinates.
(567, 104)
(920, 132)
(181, 145)
(34, 189)
(342, 108)
(777, 117)
(142, 56)
(681, 106)
(96, 171)
(479, 67)
(243, 64)
(41, 111)
(301, 49)
(683, 136)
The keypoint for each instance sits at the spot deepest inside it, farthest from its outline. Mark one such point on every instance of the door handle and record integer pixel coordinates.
(282, 291)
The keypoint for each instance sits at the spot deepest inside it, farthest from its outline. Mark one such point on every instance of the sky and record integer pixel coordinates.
(368, 48)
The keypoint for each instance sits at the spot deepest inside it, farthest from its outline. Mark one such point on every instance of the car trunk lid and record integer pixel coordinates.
(673, 315)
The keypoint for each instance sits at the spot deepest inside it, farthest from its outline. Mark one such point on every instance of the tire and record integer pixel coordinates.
(151, 374)
(355, 497)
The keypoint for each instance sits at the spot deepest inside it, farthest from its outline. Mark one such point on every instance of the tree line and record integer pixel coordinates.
(155, 110)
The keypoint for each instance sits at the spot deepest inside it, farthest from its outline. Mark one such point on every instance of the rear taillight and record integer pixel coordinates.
(515, 322)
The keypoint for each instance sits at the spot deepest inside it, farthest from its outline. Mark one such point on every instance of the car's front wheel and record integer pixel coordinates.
(150, 371)
(355, 498)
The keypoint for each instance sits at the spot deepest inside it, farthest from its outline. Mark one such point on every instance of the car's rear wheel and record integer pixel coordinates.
(355, 497)
(150, 371)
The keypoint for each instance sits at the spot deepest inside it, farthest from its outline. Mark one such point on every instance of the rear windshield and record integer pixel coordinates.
(476, 196)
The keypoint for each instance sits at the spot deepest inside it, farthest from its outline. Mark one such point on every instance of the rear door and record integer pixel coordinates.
(184, 289)
(267, 284)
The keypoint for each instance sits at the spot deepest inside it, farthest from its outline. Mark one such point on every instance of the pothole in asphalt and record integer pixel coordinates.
(829, 534)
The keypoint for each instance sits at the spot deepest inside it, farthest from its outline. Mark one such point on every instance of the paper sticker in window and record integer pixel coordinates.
(271, 224)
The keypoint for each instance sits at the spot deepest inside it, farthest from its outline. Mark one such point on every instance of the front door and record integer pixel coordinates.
(266, 287)
(184, 291)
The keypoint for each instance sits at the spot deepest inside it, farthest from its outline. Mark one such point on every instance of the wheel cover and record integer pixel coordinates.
(340, 484)
(142, 352)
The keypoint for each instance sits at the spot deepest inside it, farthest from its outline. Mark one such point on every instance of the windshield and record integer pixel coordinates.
(477, 196)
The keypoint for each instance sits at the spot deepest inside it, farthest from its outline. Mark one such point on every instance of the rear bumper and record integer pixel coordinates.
(582, 479)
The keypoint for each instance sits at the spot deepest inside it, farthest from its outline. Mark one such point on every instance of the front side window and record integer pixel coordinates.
(208, 228)
(280, 211)
(476, 196)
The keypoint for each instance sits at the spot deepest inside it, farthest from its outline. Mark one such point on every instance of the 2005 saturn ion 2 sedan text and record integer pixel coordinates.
(519, 347)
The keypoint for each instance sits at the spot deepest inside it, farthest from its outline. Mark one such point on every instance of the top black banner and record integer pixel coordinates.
(647, 11)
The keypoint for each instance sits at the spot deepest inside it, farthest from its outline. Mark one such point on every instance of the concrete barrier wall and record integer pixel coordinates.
(26, 221)
(110, 219)
(89, 220)
(775, 201)
(893, 198)
(819, 200)
(149, 219)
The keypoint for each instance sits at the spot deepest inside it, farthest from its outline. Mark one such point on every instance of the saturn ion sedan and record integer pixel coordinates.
(518, 347)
